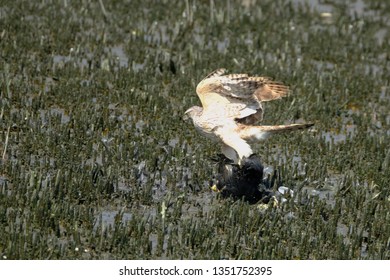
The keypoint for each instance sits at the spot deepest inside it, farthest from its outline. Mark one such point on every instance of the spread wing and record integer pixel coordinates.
(239, 95)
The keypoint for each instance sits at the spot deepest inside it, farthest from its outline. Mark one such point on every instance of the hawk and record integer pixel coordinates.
(232, 106)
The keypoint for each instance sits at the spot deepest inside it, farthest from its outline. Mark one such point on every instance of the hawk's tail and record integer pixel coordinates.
(263, 131)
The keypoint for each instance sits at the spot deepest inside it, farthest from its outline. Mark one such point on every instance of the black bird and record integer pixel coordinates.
(243, 182)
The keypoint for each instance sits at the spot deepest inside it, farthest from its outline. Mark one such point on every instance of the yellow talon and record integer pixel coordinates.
(214, 188)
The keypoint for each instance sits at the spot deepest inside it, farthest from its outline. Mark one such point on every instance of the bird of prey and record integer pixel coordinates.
(232, 106)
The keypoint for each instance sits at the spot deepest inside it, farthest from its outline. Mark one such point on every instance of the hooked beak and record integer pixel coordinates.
(186, 117)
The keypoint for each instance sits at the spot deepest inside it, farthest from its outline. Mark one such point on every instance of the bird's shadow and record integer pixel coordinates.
(245, 182)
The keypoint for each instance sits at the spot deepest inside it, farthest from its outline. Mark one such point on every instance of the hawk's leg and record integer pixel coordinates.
(234, 143)
(230, 153)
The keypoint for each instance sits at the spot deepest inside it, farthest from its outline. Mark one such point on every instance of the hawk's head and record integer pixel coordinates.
(193, 112)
